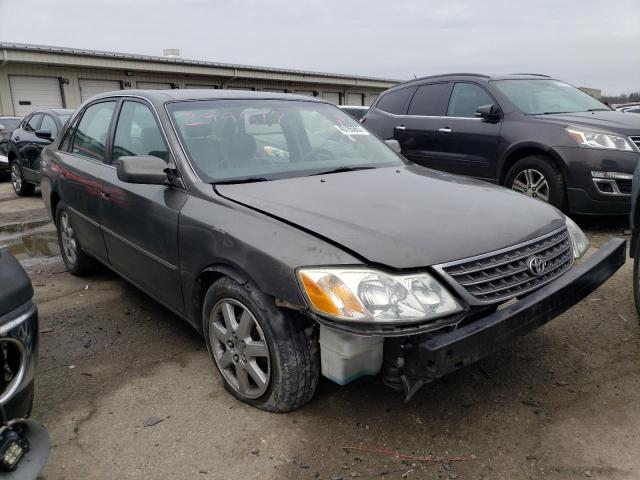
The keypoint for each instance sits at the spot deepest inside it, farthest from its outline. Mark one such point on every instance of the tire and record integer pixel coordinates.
(636, 278)
(290, 366)
(75, 259)
(532, 169)
(20, 185)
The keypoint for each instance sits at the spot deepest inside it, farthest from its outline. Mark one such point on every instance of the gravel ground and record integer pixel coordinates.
(127, 391)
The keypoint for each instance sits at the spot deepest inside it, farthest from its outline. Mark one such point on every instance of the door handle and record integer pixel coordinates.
(445, 130)
(401, 127)
(17, 138)
(105, 195)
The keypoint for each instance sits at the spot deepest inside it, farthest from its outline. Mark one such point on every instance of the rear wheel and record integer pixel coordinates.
(537, 177)
(265, 356)
(20, 185)
(76, 261)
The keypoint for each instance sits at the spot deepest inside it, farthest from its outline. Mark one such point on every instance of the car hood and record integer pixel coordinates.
(404, 217)
(618, 122)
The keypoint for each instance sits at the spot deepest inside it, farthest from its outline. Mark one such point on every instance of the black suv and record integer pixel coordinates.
(37, 130)
(530, 133)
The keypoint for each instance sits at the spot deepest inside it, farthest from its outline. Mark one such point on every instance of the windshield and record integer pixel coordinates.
(64, 117)
(269, 139)
(536, 97)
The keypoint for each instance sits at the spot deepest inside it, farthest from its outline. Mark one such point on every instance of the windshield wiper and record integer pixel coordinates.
(340, 170)
(232, 181)
(597, 109)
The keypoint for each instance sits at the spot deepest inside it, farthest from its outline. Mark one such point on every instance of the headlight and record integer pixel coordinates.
(363, 295)
(579, 241)
(599, 139)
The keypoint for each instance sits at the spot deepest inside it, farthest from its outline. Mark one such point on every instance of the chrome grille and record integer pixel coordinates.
(504, 274)
(636, 140)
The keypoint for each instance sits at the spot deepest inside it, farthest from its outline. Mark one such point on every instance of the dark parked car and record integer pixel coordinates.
(355, 111)
(298, 243)
(7, 125)
(530, 133)
(37, 130)
(24, 444)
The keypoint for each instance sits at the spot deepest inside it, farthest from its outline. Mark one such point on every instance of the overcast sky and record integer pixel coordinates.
(585, 42)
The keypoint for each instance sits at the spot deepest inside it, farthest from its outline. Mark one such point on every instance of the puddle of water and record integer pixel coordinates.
(34, 247)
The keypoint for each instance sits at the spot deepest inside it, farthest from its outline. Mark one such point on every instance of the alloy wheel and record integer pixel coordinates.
(239, 348)
(532, 183)
(67, 235)
(16, 177)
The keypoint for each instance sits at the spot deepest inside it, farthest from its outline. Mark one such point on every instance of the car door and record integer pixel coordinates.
(28, 146)
(83, 153)
(470, 144)
(33, 160)
(418, 130)
(140, 222)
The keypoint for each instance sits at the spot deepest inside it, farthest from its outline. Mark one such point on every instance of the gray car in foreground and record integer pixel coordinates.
(299, 244)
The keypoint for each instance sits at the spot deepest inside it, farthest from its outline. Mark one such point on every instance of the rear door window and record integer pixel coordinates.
(466, 98)
(395, 101)
(430, 100)
(90, 137)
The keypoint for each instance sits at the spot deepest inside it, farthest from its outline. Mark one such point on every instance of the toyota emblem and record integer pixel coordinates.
(536, 265)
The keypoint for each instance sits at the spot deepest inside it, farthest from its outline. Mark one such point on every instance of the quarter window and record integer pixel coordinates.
(430, 100)
(48, 123)
(466, 98)
(138, 133)
(90, 137)
(395, 101)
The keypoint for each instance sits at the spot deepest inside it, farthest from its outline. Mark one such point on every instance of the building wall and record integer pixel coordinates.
(70, 83)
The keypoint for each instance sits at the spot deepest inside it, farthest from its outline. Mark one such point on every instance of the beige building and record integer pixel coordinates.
(34, 76)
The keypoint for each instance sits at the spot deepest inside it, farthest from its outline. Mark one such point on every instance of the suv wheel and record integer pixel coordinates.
(76, 261)
(20, 186)
(265, 356)
(537, 177)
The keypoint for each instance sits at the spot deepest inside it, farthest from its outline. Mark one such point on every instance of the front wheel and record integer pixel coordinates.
(20, 185)
(265, 356)
(537, 177)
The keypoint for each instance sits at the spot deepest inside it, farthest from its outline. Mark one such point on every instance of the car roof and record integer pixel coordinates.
(55, 111)
(475, 76)
(159, 96)
(8, 117)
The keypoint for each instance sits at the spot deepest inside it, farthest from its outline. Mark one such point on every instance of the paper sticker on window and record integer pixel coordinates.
(351, 130)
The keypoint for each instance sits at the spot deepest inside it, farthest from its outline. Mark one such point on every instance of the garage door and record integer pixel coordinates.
(89, 88)
(32, 93)
(354, 99)
(307, 93)
(154, 86)
(333, 97)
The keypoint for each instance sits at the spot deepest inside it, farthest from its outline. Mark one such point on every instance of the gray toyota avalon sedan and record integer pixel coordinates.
(300, 244)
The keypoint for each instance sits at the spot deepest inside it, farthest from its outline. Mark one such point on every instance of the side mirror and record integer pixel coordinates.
(45, 134)
(144, 169)
(488, 112)
(394, 145)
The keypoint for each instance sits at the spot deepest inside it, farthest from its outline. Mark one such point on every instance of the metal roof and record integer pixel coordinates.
(181, 61)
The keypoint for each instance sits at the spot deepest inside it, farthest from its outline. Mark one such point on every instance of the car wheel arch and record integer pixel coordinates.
(514, 155)
(55, 199)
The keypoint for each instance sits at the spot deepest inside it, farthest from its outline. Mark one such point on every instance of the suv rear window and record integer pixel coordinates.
(430, 100)
(395, 101)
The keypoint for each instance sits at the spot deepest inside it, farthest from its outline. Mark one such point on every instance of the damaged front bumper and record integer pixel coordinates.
(410, 362)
